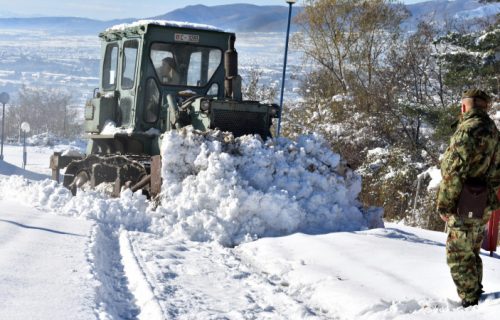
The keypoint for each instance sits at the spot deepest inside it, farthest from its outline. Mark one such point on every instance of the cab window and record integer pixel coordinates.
(110, 66)
(184, 65)
(130, 49)
(202, 66)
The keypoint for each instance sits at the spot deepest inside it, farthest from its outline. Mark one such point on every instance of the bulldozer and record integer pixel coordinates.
(157, 76)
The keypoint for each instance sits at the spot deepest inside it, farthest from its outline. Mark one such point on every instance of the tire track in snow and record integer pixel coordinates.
(139, 284)
(282, 286)
(113, 299)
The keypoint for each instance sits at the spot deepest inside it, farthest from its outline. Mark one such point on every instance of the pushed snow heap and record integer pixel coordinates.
(217, 188)
(231, 190)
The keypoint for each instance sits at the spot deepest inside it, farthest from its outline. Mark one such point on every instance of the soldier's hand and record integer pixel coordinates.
(445, 218)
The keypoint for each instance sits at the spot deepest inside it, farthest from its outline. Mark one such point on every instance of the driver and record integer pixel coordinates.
(168, 71)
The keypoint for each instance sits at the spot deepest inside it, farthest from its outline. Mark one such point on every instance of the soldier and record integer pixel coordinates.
(473, 157)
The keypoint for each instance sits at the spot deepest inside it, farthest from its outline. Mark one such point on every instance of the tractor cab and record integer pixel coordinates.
(159, 75)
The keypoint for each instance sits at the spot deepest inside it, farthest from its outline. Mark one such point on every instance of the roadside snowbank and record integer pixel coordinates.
(231, 190)
(130, 211)
(398, 272)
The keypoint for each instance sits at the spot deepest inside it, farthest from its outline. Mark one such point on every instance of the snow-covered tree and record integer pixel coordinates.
(46, 110)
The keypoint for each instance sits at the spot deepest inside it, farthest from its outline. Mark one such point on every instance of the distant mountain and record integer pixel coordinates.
(247, 17)
(235, 17)
(60, 25)
(441, 10)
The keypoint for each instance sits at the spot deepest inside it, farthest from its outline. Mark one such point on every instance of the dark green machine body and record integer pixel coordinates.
(157, 77)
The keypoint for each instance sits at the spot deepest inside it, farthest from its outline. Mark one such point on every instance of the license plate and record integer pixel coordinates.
(183, 37)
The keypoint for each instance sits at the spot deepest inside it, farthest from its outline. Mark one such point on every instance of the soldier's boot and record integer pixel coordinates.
(467, 304)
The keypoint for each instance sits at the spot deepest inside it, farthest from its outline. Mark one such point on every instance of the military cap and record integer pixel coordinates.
(477, 94)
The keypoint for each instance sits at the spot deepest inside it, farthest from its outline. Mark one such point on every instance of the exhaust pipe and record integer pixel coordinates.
(232, 81)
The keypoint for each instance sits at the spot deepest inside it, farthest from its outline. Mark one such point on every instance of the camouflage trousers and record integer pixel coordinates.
(462, 253)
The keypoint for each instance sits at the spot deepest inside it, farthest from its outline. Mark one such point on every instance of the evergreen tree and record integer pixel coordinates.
(474, 60)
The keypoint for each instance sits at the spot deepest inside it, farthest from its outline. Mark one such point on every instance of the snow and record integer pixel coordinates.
(483, 11)
(231, 190)
(152, 132)
(204, 280)
(377, 152)
(146, 300)
(110, 128)
(72, 152)
(37, 166)
(409, 279)
(187, 92)
(394, 273)
(166, 23)
(342, 98)
(7, 169)
(44, 272)
(496, 116)
(435, 174)
(245, 229)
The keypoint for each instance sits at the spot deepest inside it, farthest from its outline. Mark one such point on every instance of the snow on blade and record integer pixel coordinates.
(217, 188)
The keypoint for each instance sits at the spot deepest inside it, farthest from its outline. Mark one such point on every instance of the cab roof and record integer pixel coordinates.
(141, 26)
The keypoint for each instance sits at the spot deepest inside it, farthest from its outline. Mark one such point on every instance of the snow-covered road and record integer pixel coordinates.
(44, 270)
(224, 248)
(396, 272)
(196, 280)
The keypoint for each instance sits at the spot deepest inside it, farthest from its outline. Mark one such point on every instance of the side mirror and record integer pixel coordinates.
(97, 94)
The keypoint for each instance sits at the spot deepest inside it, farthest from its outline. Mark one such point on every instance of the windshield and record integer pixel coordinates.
(185, 65)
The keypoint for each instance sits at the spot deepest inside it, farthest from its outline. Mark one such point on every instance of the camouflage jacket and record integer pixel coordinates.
(473, 153)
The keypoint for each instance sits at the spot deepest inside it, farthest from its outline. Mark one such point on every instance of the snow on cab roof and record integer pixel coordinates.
(167, 23)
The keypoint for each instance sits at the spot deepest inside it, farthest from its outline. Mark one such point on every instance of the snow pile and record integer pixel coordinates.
(130, 211)
(42, 139)
(49, 139)
(217, 188)
(231, 190)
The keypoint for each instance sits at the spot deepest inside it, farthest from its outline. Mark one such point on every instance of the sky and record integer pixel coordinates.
(113, 9)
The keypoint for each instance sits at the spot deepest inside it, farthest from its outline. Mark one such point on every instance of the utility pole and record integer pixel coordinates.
(290, 3)
(4, 99)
